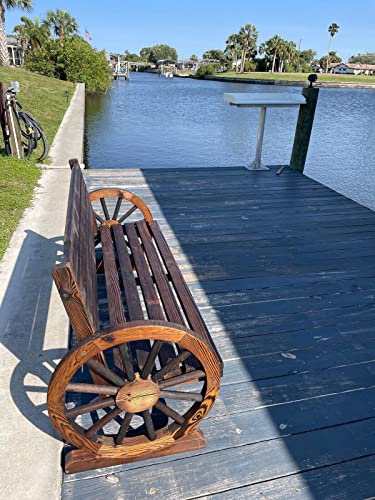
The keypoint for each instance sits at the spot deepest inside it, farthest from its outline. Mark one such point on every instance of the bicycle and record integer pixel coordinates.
(22, 133)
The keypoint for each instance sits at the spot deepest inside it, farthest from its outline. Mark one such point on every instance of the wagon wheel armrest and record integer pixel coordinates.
(120, 194)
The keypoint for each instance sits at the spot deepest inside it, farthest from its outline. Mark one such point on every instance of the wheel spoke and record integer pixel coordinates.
(97, 217)
(103, 421)
(150, 361)
(183, 396)
(124, 428)
(128, 213)
(173, 363)
(169, 412)
(182, 379)
(127, 362)
(93, 389)
(105, 209)
(105, 372)
(97, 405)
(117, 209)
(150, 429)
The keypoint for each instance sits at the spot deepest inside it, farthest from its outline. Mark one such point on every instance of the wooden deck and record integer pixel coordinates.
(283, 270)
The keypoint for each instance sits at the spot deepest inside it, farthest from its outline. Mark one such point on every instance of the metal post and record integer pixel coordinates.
(257, 163)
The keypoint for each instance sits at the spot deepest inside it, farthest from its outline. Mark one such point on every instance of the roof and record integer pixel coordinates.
(12, 40)
(354, 65)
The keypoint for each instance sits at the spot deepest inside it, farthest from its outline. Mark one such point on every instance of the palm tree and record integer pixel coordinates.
(288, 54)
(31, 34)
(9, 4)
(249, 36)
(332, 30)
(61, 23)
(272, 47)
(233, 47)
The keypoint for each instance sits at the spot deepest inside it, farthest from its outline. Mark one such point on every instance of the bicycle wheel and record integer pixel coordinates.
(39, 137)
(28, 134)
(15, 133)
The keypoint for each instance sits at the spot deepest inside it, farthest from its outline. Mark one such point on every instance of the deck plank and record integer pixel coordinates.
(283, 271)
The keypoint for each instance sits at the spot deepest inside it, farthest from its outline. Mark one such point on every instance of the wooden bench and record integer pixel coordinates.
(144, 371)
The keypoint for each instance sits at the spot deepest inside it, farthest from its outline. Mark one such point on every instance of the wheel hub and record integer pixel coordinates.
(138, 395)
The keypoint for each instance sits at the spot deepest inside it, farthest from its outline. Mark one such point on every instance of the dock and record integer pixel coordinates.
(283, 271)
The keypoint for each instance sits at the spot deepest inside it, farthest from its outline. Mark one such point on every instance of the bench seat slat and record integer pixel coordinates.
(190, 309)
(115, 305)
(150, 296)
(128, 279)
(168, 300)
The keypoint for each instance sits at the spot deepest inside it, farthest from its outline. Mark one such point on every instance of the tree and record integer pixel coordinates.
(194, 58)
(288, 56)
(367, 58)
(158, 52)
(61, 23)
(9, 4)
(131, 56)
(333, 29)
(233, 49)
(31, 34)
(333, 58)
(249, 37)
(307, 56)
(74, 61)
(214, 54)
(271, 50)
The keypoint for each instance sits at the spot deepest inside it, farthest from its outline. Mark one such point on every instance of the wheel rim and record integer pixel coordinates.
(128, 411)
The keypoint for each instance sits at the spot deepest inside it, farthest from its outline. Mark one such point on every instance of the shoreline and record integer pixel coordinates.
(292, 83)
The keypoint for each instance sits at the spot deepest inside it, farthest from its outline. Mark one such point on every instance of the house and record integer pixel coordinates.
(187, 64)
(316, 67)
(166, 62)
(352, 69)
(15, 51)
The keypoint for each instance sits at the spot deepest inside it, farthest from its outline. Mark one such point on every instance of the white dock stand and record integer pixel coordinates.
(263, 101)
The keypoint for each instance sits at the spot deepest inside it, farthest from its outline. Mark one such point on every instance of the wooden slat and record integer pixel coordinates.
(151, 298)
(115, 305)
(172, 311)
(128, 279)
(192, 314)
(168, 299)
(141, 348)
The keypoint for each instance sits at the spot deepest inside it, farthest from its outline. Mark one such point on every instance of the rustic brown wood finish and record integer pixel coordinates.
(155, 364)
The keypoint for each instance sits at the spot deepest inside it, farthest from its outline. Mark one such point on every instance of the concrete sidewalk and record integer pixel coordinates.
(69, 139)
(33, 336)
(34, 327)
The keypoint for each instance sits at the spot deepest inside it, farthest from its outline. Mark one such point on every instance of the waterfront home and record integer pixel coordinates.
(15, 51)
(187, 64)
(316, 67)
(352, 69)
(166, 62)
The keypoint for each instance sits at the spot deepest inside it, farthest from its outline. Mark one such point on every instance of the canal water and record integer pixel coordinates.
(152, 122)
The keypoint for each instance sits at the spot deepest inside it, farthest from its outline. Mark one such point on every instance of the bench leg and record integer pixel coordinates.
(81, 460)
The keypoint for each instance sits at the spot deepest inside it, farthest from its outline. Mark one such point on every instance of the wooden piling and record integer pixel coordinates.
(304, 128)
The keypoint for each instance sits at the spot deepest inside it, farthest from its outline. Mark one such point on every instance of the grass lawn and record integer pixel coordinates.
(45, 99)
(302, 77)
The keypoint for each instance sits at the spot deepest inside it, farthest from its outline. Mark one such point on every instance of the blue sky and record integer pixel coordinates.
(197, 25)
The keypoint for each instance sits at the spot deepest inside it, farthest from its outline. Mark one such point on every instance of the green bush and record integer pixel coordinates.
(74, 60)
(250, 66)
(205, 70)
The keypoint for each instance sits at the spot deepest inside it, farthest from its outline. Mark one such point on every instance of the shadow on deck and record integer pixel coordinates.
(283, 271)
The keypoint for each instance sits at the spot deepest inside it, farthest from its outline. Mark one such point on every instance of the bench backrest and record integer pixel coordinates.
(75, 278)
